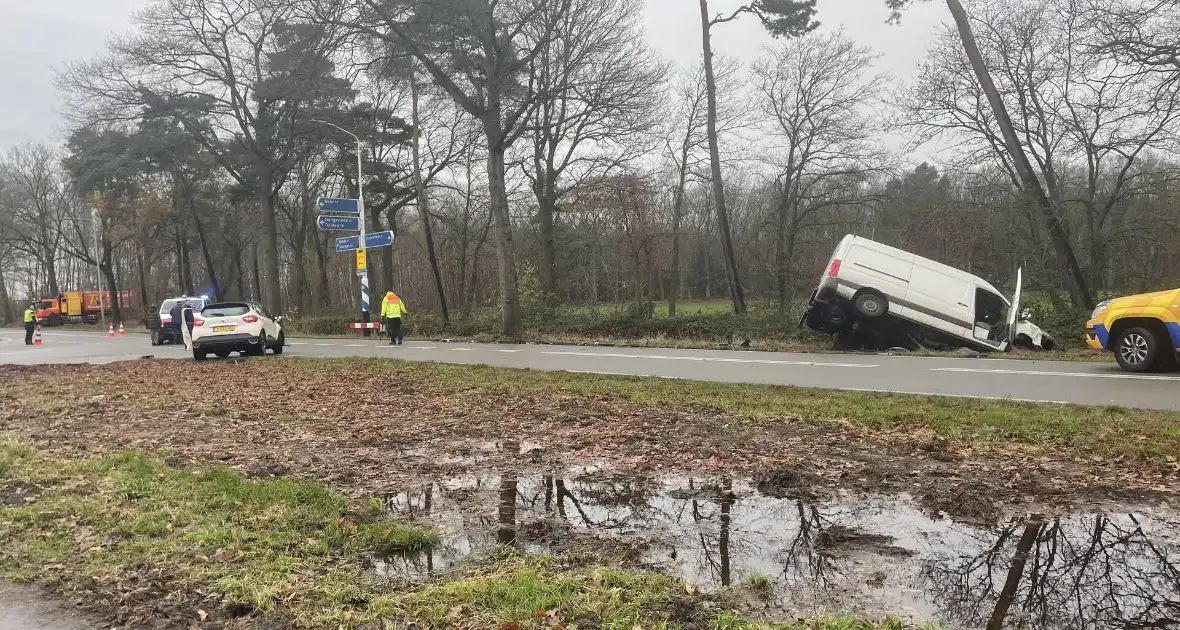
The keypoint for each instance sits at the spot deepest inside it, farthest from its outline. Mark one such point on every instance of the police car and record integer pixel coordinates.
(160, 325)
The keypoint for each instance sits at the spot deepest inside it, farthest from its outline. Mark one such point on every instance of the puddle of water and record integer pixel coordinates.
(873, 556)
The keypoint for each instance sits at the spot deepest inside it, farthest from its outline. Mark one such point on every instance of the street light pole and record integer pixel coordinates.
(360, 205)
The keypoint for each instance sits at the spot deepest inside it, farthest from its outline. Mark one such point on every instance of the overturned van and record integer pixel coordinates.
(879, 296)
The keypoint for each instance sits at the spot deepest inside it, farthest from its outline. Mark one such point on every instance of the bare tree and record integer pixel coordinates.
(236, 75)
(601, 87)
(782, 18)
(1086, 122)
(36, 202)
(480, 53)
(686, 137)
(815, 92)
(1026, 177)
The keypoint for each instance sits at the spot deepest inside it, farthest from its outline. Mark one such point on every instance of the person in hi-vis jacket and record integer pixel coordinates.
(392, 310)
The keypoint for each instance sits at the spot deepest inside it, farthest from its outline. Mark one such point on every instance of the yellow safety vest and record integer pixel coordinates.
(30, 316)
(392, 307)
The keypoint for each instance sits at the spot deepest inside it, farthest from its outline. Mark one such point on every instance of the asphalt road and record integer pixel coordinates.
(24, 608)
(1043, 381)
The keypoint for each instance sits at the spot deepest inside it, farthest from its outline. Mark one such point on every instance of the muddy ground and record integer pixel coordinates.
(372, 433)
(839, 516)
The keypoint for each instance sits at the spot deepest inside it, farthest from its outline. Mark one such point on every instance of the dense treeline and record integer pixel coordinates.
(537, 151)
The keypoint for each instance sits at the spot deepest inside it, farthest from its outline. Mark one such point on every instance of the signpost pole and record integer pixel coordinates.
(102, 309)
(360, 205)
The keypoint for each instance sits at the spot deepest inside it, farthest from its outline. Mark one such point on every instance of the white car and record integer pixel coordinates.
(244, 327)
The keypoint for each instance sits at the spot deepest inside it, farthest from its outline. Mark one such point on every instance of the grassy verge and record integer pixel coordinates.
(1148, 436)
(206, 546)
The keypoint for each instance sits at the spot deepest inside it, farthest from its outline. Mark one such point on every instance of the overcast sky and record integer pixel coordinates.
(38, 36)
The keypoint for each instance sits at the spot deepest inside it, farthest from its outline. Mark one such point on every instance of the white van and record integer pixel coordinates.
(916, 302)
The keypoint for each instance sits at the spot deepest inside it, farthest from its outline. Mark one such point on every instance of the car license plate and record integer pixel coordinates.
(224, 328)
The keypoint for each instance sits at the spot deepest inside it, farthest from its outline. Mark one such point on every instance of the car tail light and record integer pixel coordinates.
(197, 323)
(250, 319)
(835, 269)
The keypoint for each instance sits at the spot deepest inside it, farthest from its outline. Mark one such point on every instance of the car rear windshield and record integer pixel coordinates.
(225, 310)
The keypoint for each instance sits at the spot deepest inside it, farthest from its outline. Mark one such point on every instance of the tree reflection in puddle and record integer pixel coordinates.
(875, 556)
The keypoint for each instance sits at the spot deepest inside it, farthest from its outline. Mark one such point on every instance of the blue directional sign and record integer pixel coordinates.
(375, 239)
(338, 222)
(333, 204)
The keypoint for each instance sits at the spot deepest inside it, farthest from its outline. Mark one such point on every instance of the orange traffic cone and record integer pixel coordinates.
(37, 336)
(122, 333)
(111, 330)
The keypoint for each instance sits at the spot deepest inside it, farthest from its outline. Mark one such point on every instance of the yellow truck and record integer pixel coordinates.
(1143, 331)
(80, 307)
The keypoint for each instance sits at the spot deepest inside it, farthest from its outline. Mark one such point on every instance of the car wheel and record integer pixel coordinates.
(200, 355)
(1023, 342)
(1137, 349)
(870, 305)
(1047, 343)
(259, 348)
(279, 344)
(836, 315)
(221, 354)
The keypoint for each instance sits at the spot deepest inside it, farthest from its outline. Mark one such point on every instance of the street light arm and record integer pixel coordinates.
(337, 127)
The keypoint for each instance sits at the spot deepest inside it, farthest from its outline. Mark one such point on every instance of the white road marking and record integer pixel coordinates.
(461, 349)
(355, 345)
(297, 343)
(620, 355)
(325, 344)
(1139, 377)
(506, 351)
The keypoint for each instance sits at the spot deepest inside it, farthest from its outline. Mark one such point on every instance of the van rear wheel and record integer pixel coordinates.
(870, 305)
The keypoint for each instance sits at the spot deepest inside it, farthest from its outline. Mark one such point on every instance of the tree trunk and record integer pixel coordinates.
(186, 268)
(420, 189)
(781, 257)
(205, 254)
(257, 288)
(677, 217)
(5, 302)
(1029, 182)
(272, 298)
(381, 280)
(108, 274)
(727, 502)
(545, 232)
(731, 270)
(143, 290)
(1015, 572)
(505, 256)
(50, 263)
(321, 253)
